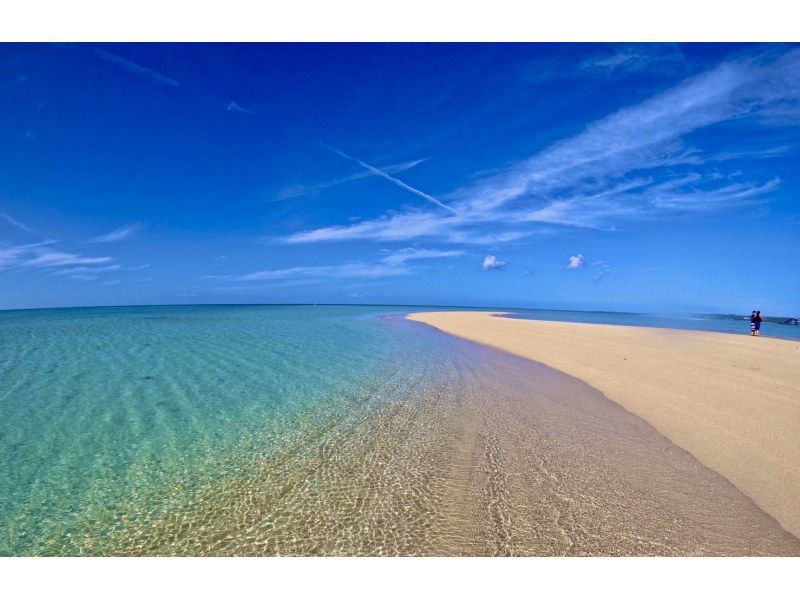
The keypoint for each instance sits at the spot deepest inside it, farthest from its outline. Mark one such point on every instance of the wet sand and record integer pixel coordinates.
(732, 402)
(512, 458)
(543, 464)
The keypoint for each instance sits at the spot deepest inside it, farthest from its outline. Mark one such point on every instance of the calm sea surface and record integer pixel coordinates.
(108, 414)
(659, 321)
(233, 429)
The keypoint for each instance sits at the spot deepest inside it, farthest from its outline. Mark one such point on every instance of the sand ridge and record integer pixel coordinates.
(732, 401)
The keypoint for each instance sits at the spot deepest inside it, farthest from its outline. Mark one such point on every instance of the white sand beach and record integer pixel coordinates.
(732, 401)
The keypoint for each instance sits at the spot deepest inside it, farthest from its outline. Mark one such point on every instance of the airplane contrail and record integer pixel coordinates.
(398, 182)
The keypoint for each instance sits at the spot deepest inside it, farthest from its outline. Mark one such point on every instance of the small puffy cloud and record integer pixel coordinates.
(601, 269)
(576, 261)
(491, 262)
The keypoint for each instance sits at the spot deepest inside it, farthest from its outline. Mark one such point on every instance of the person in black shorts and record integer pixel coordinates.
(756, 326)
(753, 323)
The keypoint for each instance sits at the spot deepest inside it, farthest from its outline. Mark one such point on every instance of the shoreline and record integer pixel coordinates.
(361, 432)
(732, 402)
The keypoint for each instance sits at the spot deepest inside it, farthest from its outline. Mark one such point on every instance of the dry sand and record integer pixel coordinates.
(732, 401)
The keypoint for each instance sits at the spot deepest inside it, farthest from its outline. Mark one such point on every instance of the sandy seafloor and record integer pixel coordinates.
(446, 448)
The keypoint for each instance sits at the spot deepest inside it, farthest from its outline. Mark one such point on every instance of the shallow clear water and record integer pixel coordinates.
(104, 406)
(217, 430)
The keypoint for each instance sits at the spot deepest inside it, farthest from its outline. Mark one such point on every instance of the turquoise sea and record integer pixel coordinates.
(234, 429)
(109, 415)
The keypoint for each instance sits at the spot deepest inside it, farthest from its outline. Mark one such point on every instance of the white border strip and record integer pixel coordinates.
(399, 20)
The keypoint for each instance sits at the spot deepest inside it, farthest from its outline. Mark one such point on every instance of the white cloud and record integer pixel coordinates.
(118, 234)
(458, 228)
(600, 269)
(62, 258)
(471, 237)
(576, 261)
(391, 179)
(404, 255)
(16, 223)
(11, 256)
(632, 139)
(43, 256)
(136, 69)
(751, 153)
(80, 269)
(116, 281)
(491, 262)
(301, 190)
(234, 107)
(619, 60)
(87, 273)
(387, 228)
(621, 167)
(392, 264)
(634, 58)
(348, 270)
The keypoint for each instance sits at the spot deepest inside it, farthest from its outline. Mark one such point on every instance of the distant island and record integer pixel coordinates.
(773, 319)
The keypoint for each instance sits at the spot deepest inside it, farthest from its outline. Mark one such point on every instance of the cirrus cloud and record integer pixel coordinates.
(395, 263)
(118, 234)
(633, 164)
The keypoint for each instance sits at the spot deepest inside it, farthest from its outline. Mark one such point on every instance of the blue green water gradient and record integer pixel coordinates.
(103, 407)
(231, 429)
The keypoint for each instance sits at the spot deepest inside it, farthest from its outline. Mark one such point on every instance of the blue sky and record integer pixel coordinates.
(645, 177)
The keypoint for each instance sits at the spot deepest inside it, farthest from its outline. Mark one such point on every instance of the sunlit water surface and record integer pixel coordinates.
(328, 430)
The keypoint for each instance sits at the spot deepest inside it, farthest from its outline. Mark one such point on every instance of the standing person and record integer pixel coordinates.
(758, 323)
(753, 323)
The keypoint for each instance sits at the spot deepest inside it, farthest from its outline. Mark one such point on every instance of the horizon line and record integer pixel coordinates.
(131, 305)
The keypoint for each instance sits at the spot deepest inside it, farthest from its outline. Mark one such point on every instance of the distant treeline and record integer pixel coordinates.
(773, 319)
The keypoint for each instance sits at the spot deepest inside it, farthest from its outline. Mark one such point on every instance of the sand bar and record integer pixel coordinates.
(732, 401)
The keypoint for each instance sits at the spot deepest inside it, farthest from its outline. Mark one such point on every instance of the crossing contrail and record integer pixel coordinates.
(398, 182)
